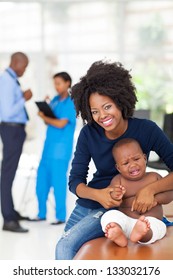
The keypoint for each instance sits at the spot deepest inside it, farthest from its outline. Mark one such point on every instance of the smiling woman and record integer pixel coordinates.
(105, 98)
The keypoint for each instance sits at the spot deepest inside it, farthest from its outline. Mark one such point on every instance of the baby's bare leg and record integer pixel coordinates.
(114, 232)
(141, 231)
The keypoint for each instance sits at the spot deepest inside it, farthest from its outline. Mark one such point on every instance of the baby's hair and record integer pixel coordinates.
(123, 142)
(64, 75)
(108, 79)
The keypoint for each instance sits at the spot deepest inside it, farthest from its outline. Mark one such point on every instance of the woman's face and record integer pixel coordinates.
(61, 86)
(106, 114)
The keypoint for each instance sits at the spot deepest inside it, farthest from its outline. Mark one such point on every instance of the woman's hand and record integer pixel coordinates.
(47, 99)
(102, 196)
(41, 115)
(105, 199)
(143, 201)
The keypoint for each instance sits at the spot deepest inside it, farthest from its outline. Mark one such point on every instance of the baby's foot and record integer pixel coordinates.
(140, 229)
(114, 232)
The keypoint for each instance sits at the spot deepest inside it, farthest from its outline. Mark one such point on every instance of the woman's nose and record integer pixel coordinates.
(102, 114)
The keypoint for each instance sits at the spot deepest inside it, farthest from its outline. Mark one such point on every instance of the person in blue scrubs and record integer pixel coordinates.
(57, 151)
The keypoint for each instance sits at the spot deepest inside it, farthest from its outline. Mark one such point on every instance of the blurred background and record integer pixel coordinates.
(69, 36)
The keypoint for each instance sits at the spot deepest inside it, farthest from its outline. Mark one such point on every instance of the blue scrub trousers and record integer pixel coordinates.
(52, 173)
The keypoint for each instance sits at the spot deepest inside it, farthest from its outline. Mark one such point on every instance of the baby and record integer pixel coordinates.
(123, 224)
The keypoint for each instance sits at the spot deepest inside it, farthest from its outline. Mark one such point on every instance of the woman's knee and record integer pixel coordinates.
(58, 250)
(66, 247)
(61, 250)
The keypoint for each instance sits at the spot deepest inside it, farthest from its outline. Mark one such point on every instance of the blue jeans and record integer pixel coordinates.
(82, 226)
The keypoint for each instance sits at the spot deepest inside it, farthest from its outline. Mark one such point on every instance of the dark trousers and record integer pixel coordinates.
(13, 137)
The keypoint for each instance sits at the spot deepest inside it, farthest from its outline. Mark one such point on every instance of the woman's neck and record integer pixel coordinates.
(64, 95)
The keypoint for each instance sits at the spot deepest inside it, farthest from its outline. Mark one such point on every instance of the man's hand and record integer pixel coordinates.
(27, 94)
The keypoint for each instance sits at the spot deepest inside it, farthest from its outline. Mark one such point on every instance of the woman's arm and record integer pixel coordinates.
(162, 146)
(60, 123)
(164, 197)
(103, 196)
(107, 197)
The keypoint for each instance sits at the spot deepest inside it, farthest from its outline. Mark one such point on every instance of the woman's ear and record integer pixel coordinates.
(68, 84)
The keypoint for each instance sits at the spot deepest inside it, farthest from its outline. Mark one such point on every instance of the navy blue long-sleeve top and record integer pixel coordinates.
(92, 143)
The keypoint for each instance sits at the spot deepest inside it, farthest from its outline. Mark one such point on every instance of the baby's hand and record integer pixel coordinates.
(118, 192)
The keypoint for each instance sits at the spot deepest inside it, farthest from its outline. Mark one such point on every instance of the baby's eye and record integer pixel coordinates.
(137, 158)
(125, 163)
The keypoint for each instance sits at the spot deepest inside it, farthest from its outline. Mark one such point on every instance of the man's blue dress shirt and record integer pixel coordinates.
(11, 98)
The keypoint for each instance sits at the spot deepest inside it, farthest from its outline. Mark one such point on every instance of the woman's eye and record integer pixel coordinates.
(107, 107)
(93, 112)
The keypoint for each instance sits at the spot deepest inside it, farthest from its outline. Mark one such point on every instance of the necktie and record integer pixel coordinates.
(19, 86)
(24, 106)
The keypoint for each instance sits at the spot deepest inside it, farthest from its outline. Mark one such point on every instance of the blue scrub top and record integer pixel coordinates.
(59, 141)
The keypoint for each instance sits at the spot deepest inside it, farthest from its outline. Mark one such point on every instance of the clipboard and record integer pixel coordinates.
(45, 108)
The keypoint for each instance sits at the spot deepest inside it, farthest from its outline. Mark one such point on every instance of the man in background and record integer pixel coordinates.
(13, 118)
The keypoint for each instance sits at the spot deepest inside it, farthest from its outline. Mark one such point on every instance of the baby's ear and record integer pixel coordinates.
(116, 166)
(145, 157)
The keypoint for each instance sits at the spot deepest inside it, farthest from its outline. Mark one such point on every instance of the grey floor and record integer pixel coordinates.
(39, 243)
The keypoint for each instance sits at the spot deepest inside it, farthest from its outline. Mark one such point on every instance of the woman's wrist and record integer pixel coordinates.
(84, 191)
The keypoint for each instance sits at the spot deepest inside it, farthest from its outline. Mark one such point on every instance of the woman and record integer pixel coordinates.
(57, 150)
(105, 98)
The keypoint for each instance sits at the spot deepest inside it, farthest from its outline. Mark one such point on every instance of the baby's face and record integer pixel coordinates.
(130, 161)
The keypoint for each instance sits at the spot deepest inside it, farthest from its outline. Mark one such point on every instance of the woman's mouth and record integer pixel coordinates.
(107, 122)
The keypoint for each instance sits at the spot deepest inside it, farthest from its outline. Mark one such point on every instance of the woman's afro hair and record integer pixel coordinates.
(109, 79)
